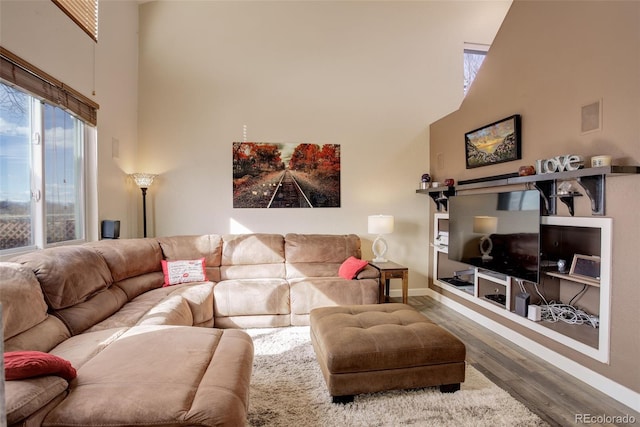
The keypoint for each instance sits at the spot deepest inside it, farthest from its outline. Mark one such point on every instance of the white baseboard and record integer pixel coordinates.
(598, 381)
(419, 292)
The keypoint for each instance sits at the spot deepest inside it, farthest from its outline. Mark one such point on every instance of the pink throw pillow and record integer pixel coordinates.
(27, 364)
(351, 267)
(183, 271)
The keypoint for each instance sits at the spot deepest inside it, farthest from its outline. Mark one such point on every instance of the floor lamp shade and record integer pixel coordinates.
(379, 225)
(143, 180)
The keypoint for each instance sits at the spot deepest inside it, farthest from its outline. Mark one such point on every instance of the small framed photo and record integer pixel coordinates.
(497, 142)
(585, 266)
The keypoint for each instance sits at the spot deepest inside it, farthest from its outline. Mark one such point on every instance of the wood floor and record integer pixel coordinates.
(553, 395)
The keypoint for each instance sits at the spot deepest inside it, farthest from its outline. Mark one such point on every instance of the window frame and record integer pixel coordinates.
(84, 110)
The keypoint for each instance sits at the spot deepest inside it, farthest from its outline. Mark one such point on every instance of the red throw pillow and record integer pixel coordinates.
(351, 267)
(27, 364)
(183, 271)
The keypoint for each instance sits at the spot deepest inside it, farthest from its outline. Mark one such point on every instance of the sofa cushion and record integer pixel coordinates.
(148, 308)
(199, 298)
(332, 248)
(42, 337)
(80, 317)
(19, 365)
(208, 246)
(173, 310)
(185, 376)
(188, 305)
(68, 275)
(135, 286)
(25, 398)
(318, 255)
(79, 349)
(129, 257)
(309, 293)
(131, 312)
(23, 304)
(245, 297)
(252, 256)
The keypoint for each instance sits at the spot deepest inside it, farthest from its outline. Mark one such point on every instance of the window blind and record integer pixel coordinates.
(28, 77)
(82, 12)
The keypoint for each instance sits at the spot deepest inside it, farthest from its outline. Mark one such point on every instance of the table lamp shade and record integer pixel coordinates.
(380, 224)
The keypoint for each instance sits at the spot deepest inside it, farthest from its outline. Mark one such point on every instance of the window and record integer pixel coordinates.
(41, 173)
(474, 55)
(47, 159)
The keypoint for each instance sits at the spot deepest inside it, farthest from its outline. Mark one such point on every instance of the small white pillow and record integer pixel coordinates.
(183, 271)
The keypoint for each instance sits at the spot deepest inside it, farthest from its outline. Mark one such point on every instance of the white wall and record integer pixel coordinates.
(39, 32)
(369, 76)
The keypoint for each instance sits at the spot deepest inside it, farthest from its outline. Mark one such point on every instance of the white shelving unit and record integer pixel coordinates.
(589, 341)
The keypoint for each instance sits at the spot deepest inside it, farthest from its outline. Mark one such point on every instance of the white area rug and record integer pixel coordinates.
(287, 389)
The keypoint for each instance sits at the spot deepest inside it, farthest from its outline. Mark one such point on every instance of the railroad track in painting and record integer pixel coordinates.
(288, 194)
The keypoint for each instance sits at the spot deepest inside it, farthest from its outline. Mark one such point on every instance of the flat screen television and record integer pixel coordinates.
(498, 232)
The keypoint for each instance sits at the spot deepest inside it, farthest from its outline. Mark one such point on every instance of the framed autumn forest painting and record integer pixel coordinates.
(286, 175)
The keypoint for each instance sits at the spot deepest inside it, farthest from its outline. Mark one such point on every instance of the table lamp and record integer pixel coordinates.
(380, 225)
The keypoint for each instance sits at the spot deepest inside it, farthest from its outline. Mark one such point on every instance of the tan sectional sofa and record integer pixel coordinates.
(152, 355)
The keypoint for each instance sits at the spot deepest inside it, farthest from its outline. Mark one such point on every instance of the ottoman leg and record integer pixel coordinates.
(342, 399)
(449, 388)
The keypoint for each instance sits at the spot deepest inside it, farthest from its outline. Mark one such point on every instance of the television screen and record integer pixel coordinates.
(497, 231)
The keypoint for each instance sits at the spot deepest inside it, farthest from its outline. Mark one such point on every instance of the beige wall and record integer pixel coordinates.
(548, 60)
(369, 76)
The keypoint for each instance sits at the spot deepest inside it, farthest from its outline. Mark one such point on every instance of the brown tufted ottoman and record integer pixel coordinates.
(376, 347)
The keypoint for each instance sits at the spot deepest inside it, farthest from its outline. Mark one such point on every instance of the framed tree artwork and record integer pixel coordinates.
(497, 142)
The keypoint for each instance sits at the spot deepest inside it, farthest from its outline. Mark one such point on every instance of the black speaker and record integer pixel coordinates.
(522, 303)
(110, 229)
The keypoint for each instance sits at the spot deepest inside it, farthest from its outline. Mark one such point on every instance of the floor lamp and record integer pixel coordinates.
(143, 180)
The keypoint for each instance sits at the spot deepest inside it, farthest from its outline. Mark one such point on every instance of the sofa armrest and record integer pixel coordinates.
(369, 272)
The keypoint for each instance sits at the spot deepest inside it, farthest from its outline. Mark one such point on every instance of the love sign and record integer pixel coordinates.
(566, 162)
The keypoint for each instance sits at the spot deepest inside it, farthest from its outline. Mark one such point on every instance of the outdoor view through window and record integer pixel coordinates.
(474, 55)
(41, 170)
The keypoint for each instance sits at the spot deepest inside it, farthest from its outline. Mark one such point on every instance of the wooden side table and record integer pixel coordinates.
(390, 270)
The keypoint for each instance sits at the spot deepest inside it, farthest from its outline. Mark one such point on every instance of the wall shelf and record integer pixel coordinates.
(567, 276)
(440, 196)
(592, 181)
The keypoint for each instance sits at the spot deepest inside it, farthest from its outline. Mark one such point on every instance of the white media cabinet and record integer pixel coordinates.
(560, 237)
(555, 232)
(557, 343)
